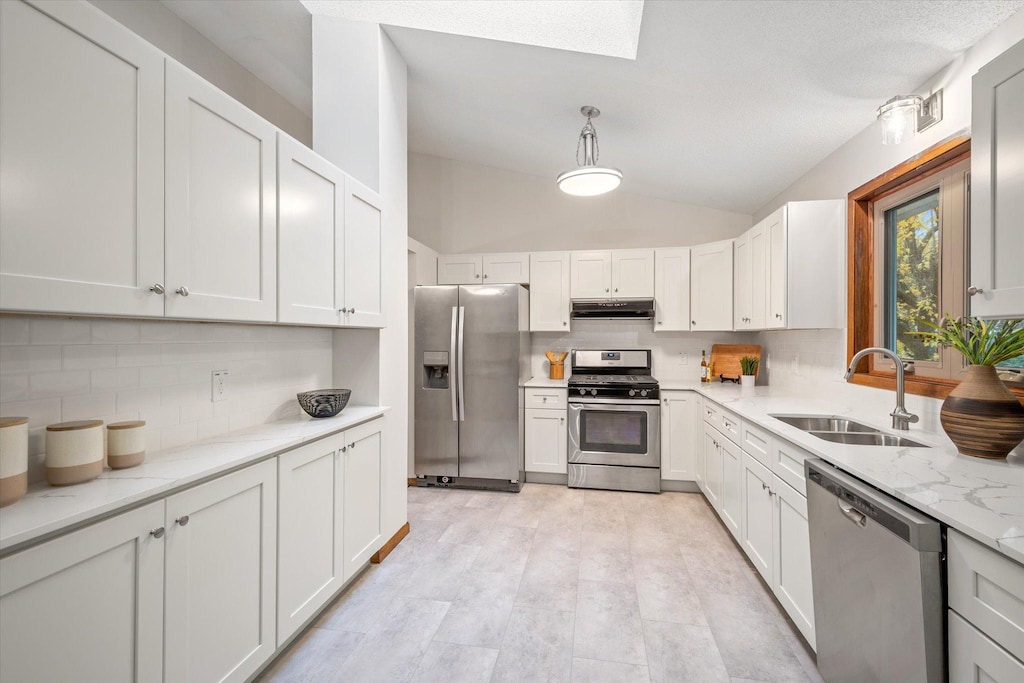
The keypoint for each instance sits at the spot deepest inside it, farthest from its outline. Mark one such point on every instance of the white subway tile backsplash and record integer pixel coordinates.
(87, 407)
(29, 358)
(138, 355)
(115, 378)
(14, 387)
(58, 384)
(39, 412)
(60, 331)
(159, 376)
(14, 330)
(115, 332)
(89, 356)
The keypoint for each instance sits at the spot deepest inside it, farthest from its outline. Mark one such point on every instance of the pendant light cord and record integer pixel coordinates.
(579, 142)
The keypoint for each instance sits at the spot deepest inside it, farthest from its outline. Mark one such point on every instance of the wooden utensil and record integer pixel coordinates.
(725, 359)
(557, 360)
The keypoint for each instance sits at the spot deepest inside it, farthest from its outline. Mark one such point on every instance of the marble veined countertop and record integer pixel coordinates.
(48, 510)
(543, 382)
(981, 498)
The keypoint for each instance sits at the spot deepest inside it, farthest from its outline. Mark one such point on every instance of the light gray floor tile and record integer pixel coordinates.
(550, 580)
(366, 599)
(678, 653)
(750, 642)
(608, 625)
(451, 663)
(805, 656)
(315, 657)
(440, 575)
(480, 612)
(537, 647)
(525, 513)
(593, 671)
(505, 550)
(665, 592)
(394, 647)
(466, 533)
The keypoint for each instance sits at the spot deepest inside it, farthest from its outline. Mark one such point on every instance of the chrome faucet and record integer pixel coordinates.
(901, 417)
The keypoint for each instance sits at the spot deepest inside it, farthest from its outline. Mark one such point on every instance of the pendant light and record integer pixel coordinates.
(589, 179)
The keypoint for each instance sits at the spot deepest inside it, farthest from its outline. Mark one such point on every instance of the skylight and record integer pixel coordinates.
(602, 27)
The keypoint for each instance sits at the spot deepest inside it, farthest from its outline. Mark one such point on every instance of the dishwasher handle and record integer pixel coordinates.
(852, 514)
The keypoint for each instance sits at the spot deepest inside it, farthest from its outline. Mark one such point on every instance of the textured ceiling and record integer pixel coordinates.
(602, 27)
(726, 104)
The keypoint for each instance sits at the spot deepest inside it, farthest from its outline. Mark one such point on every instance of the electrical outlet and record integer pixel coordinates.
(684, 359)
(219, 385)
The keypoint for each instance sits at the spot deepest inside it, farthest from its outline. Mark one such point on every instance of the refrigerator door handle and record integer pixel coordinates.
(453, 368)
(462, 355)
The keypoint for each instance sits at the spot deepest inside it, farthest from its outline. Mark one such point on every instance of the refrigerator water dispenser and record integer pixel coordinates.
(435, 370)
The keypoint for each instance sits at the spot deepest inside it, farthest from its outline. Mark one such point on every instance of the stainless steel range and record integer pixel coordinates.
(614, 421)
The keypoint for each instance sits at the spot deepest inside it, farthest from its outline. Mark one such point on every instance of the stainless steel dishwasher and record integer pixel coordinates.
(877, 581)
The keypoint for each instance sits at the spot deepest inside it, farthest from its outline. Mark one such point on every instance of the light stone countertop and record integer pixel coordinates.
(48, 510)
(544, 382)
(981, 498)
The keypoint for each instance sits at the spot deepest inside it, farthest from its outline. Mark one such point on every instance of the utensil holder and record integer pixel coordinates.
(74, 452)
(13, 459)
(126, 444)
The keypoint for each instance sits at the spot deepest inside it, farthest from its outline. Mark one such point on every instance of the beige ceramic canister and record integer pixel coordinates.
(13, 459)
(74, 452)
(126, 444)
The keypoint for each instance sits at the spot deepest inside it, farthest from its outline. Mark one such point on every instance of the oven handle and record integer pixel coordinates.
(616, 402)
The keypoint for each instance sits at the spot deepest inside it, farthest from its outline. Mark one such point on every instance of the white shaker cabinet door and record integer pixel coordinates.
(363, 462)
(756, 535)
(679, 435)
(732, 486)
(711, 287)
(459, 269)
(221, 219)
(507, 269)
(997, 187)
(759, 289)
(87, 605)
(776, 235)
(364, 267)
(792, 556)
(591, 274)
(743, 284)
(549, 291)
(713, 467)
(221, 577)
(310, 558)
(633, 274)
(81, 156)
(546, 441)
(311, 236)
(672, 290)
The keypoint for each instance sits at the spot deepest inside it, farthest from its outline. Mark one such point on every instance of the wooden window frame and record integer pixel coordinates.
(860, 262)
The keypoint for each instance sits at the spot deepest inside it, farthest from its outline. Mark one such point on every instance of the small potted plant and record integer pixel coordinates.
(981, 416)
(748, 366)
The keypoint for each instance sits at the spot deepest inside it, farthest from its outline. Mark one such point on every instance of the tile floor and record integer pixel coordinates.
(554, 584)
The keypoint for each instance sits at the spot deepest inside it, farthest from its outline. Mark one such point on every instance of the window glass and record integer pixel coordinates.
(913, 262)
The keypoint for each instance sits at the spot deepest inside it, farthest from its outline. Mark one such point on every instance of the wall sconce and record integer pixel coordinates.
(909, 113)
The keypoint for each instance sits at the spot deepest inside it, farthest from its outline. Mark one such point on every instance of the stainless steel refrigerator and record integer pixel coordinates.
(471, 353)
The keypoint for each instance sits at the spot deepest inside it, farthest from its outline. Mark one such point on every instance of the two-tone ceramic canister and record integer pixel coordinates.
(13, 459)
(74, 452)
(126, 444)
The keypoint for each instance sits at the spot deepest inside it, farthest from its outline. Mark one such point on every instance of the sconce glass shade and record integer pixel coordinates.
(589, 181)
(899, 118)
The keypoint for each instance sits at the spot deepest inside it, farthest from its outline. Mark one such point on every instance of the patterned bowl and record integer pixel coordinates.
(324, 402)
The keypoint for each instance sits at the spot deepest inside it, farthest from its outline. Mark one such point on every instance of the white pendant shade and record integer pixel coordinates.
(589, 181)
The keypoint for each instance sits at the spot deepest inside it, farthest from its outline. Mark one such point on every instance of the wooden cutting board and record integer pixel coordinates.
(725, 359)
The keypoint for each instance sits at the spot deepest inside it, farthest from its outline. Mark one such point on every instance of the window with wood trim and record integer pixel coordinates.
(907, 245)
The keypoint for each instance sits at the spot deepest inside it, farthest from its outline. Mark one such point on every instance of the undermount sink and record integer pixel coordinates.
(867, 439)
(839, 429)
(824, 423)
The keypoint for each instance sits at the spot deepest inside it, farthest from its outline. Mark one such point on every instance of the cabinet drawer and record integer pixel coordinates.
(987, 589)
(731, 425)
(712, 414)
(756, 442)
(973, 657)
(787, 462)
(554, 399)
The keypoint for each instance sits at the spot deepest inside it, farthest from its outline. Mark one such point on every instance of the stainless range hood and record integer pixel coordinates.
(612, 309)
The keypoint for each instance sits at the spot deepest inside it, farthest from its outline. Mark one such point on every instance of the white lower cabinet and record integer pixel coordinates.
(87, 605)
(756, 534)
(975, 657)
(732, 487)
(220, 577)
(678, 435)
(546, 441)
(792, 554)
(713, 466)
(363, 474)
(310, 532)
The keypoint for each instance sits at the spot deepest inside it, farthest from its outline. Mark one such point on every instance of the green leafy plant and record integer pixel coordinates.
(749, 365)
(982, 342)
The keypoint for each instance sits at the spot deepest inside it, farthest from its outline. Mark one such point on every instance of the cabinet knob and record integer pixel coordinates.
(352, 445)
(182, 521)
(157, 533)
(561, 419)
(158, 288)
(564, 323)
(779, 316)
(477, 275)
(485, 276)
(183, 290)
(971, 291)
(351, 310)
(616, 289)
(660, 322)
(344, 449)
(693, 322)
(606, 290)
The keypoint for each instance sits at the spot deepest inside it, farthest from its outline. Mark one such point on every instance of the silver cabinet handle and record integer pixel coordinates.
(616, 289)
(158, 288)
(344, 449)
(779, 316)
(183, 290)
(352, 445)
(342, 310)
(182, 521)
(351, 310)
(606, 289)
(971, 291)
(157, 533)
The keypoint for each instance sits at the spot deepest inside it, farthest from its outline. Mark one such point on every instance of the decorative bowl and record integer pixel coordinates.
(324, 402)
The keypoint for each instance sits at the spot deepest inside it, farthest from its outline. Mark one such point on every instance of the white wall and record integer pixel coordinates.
(57, 369)
(164, 29)
(458, 207)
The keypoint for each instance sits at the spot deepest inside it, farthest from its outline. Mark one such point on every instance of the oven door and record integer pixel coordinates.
(615, 434)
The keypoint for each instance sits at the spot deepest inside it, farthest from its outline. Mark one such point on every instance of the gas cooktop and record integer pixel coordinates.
(578, 380)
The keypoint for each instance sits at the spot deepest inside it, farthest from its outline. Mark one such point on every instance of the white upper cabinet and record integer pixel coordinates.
(672, 290)
(82, 161)
(775, 228)
(311, 236)
(633, 274)
(364, 268)
(997, 187)
(460, 269)
(506, 269)
(742, 283)
(549, 291)
(711, 286)
(591, 274)
(221, 220)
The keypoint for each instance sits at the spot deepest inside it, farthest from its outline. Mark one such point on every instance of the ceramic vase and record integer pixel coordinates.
(748, 380)
(981, 416)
